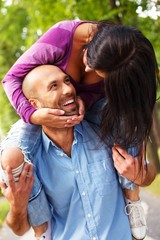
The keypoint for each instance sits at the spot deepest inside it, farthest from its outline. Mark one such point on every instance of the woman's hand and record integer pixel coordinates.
(56, 118)
(17, 193)
(81, 106)
(134, 169)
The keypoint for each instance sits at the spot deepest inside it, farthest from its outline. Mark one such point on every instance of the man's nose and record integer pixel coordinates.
(66, 89)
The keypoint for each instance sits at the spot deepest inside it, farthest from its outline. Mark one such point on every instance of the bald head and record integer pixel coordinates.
(34, 80)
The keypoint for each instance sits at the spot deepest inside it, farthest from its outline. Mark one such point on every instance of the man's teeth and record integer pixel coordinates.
(68, 102)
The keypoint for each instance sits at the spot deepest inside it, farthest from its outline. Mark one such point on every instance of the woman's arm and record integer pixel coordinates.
(51, 48)
(40, 53)
(18, 195)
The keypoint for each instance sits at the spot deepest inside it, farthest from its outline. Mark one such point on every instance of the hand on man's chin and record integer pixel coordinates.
(71, 113)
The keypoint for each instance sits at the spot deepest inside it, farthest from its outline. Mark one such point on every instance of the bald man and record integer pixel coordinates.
(75, 169)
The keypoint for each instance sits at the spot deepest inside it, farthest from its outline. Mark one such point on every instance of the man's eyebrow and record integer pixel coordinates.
(51, 83)
(56, 80)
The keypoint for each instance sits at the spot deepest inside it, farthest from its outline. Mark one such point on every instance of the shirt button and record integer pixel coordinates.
(83, 194)
(77, 171)
(94, 238)
(88, 215)
(61, 154)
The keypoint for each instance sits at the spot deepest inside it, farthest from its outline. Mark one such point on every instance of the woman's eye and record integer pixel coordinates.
(67, 80)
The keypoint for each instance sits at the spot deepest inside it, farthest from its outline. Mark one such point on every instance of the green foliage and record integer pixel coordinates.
(4, 208)
(151, 30)
(7, 113)
(14, 20)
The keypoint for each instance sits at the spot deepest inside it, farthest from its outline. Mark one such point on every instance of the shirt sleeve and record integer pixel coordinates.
(46, 50)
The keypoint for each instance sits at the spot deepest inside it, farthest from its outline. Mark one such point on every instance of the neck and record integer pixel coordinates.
(62, 137)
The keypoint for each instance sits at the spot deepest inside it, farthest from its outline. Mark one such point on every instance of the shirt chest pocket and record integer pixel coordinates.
(103, 176)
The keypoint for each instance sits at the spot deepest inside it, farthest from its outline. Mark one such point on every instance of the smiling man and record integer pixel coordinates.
(74, 167)
(50, 89)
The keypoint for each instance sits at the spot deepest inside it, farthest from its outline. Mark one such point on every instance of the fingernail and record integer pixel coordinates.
(73, 118)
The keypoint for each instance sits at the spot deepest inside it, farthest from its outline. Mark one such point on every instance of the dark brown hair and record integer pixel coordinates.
(128, 58)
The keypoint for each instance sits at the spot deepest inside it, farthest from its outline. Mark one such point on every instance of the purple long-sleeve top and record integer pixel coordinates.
(54, 47)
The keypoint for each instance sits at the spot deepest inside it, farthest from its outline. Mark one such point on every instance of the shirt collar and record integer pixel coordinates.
(78, 129)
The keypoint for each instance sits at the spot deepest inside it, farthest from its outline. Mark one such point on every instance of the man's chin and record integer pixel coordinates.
(71, 113)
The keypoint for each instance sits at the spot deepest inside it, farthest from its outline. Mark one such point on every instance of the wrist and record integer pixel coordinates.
(33, 118)
(141, 178)
(18, 211)
(17, 220)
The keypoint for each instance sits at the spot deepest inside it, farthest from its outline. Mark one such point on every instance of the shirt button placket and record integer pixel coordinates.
(85, 200)
(77, 171)
(83, 194)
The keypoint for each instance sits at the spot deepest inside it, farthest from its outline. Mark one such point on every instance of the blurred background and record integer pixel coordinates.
(22, 22)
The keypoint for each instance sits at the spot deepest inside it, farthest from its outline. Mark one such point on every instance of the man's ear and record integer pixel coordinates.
(35, 103)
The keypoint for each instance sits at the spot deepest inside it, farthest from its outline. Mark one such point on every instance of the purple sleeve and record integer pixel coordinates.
(47, 50)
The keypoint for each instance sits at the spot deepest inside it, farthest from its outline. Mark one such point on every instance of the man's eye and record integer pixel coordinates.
(54, 85)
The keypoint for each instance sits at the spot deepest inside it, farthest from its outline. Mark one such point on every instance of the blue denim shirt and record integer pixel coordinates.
(83, 191)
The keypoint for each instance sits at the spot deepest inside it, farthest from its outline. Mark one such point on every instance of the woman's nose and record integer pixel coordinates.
(88, 69)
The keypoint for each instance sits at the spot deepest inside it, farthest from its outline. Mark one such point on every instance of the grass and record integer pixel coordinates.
(4, 208)
(155, 186)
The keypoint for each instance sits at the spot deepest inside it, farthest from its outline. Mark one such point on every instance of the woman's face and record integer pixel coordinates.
(88, 69)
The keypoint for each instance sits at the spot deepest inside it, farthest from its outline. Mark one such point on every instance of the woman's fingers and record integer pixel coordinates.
(55, 118)
(74, 121)
(27, 174)
(81, 106)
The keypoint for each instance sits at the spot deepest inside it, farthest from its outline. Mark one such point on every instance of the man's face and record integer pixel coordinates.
(57, 92)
